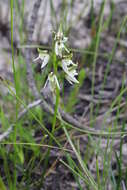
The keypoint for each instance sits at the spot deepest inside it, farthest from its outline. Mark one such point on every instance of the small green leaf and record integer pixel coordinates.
(21, 156)
(2, 186)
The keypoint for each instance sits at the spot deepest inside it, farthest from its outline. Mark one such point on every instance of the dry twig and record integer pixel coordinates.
(31, 27)
(21, 114)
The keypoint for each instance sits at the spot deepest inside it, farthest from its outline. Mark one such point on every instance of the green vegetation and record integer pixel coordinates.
(40, 141)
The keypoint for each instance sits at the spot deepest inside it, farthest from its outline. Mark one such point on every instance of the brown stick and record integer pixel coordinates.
(31, 27)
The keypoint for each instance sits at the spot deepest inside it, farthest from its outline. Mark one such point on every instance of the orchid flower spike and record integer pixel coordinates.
(44, 56)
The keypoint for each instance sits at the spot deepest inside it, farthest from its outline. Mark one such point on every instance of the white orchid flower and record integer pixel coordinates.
(52, 81)
(60, 37)
(59, 43)
(44, 56)
(58, 48)
(66, 63)
(69, 68)
(71, 77)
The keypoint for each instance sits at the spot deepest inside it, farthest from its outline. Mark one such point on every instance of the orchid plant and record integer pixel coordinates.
(64, 56)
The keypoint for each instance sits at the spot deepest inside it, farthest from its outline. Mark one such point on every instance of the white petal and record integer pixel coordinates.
(73, 72)
(36, 58)
(68, 62)
(57, 83)
(64, 66)
(58, 49)
(68, 78)
(71, 79)
(72, 63)
(65, 39)
(45, 61)
(59, 33)
(46, 83)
